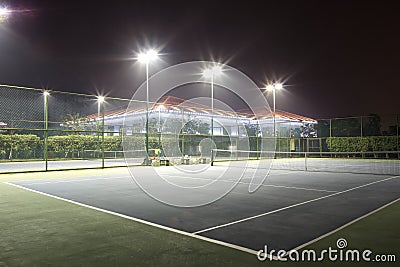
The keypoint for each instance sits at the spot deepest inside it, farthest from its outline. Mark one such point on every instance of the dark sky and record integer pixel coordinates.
(337, 58)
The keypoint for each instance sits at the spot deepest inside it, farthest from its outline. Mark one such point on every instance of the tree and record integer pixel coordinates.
(372, 125)
(196, 127)
(77, 123)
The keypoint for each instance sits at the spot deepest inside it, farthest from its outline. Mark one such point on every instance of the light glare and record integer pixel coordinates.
(278, 86)
(150, 55)
(213, 71)
(4, 11)
(208, 73)
(46, 93)
(217, 70)
(100, 99)
(270, 87)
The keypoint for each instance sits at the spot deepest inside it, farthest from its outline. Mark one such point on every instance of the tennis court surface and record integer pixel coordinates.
(290, 209)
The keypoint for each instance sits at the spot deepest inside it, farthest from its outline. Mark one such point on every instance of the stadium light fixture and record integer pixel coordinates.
(100, 99)
(146, 58)
(210, 73)
(278, 86)
(4, 13)
(269, 87)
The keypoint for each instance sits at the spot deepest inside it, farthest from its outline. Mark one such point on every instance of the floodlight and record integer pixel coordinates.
(100, 99)
(270, 87)
(214, 71)
(278, 86)
(4, 11)
(160, 107)
(148, 56)
(142, 58)
(152, 54)
(46, 93)
(208, 73)
(217, 70)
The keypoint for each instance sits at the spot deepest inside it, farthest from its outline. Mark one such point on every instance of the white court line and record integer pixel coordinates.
(291, 206)
(74, 180)
(267, 185)
(214, 241)
(184, 177)
(344, 226)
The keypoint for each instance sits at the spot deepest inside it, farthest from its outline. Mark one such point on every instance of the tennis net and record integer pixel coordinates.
(382, 162)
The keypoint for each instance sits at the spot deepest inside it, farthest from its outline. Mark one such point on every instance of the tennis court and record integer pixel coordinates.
(291, 208)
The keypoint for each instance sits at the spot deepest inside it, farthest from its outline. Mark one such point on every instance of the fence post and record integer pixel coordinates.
(397, 131)
(305, 161)
(320, 146)
(330, 132)
(237, 138)
(257, 149)
(361, 126)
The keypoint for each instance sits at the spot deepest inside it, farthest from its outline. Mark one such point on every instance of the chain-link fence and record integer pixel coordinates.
(364, 133)
(50, 130)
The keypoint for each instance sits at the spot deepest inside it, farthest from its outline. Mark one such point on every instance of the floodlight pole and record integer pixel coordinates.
(46, 128)
(146, 58)
(183, 133)
(274, 104)
(102, 138)
(98, 126)
(212, 107)
(147, 114)
(273, 88)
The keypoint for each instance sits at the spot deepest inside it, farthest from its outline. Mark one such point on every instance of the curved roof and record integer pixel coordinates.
(175, 103)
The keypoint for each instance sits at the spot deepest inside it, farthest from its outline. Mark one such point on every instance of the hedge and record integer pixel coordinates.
(18, 146)
(25, 146)
(362, 144)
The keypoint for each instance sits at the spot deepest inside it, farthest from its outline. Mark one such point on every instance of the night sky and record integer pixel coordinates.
(336, 58)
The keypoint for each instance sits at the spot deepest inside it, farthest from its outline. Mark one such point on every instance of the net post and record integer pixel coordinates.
(212, 157)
